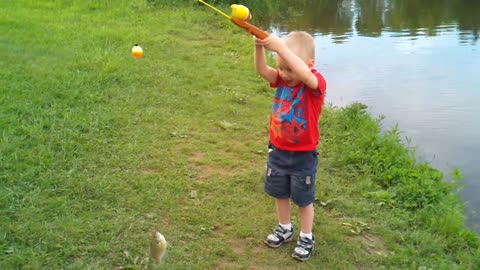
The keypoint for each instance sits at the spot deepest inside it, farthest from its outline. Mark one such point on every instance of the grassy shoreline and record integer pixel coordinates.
(98, 148)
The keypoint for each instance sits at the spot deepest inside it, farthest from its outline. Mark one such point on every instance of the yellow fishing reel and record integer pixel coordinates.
(241, 12)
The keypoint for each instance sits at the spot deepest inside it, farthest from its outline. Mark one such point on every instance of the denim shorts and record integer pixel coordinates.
(291, 175)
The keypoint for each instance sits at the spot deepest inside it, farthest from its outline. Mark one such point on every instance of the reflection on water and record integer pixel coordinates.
(416, 62)
(371, 18)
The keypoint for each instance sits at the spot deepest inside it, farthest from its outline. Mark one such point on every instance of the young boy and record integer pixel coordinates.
(294, 134)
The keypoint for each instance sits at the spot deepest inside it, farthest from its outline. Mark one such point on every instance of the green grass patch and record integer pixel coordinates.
(98, 148)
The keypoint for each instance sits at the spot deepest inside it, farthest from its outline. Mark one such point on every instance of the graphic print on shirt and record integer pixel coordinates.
(287, 113)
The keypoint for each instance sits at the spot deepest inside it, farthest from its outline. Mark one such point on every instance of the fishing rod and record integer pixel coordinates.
(241, 16)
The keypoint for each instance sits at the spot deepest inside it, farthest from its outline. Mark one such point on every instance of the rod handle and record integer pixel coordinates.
(259, 33)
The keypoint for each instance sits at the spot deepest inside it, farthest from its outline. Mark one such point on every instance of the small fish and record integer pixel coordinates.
(158, 246)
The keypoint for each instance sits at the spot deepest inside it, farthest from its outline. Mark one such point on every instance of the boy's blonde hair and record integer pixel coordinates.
(302, 44)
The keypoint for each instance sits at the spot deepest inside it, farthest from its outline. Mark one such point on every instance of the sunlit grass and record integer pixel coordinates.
(97, 148)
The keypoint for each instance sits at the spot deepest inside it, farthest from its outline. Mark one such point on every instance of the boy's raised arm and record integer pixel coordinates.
(261, 66)
(297, 65)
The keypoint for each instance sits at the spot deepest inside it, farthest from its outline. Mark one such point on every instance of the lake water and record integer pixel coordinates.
(415, 62)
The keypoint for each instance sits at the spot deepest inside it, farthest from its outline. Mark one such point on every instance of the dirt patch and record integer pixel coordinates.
(374, 244)
(371, 244)
(243, 247)
(206, 171)
(197, 156)
(240, 246)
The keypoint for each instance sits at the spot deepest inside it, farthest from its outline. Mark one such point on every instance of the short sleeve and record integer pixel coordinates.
(275, 84)
(322, 84)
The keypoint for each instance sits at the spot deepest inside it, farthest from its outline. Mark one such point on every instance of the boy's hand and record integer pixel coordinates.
(272, 43)
(267, 72)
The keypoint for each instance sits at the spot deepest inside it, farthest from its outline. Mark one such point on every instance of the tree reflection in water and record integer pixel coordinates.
(373, 17)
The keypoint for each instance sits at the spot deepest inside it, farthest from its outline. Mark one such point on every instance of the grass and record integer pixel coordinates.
(98, 148)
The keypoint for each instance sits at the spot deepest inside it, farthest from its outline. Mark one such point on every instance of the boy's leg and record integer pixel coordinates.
(281, 234)
(278, 185)
(303, 195)
(306, 218)
(283, 210)
(306, 241)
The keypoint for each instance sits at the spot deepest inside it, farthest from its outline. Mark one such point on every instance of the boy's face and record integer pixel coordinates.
(286, 73)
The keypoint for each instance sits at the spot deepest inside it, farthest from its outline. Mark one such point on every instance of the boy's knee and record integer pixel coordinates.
(303, 190)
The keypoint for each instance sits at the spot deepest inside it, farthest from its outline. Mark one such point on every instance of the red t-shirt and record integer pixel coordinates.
(295, 114)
